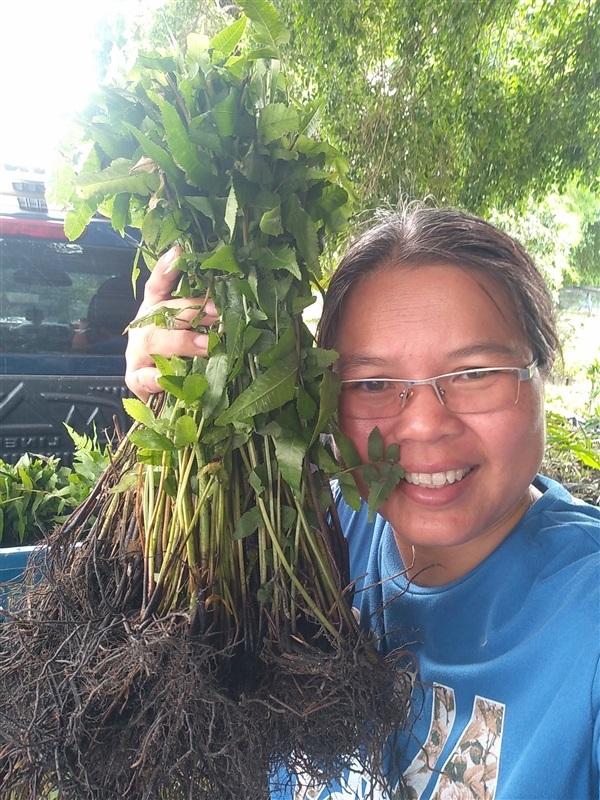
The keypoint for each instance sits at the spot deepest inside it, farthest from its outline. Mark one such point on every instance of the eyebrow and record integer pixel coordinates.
(481, 348)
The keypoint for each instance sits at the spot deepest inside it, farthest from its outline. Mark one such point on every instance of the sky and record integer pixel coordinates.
(48, 70)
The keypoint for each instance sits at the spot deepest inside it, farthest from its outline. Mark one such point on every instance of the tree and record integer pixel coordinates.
(477, 102)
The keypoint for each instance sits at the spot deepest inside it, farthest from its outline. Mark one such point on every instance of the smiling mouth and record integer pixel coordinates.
(436, 480)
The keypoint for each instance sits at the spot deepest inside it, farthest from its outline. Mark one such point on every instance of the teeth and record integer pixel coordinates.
(436, 479)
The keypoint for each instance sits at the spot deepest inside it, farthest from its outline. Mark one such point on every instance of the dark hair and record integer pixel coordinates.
(425, 236)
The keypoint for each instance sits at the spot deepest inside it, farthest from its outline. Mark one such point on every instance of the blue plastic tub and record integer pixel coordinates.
(13, 569)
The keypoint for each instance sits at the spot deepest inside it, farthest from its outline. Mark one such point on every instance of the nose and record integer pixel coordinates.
(423, 416)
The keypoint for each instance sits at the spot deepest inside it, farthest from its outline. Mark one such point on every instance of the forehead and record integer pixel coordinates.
(428, 312)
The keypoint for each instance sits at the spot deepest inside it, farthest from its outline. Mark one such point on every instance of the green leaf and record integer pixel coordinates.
(290, 449)
(380, 491)
(375, 445)
(116, 179)
(247, 524)
(270, 222)
(280, 257)
(173, 384)
(306, 405)
(194, 386)
(271, 390)
(216, 376)
(186, 431)
(79, 216)
(269, 29)
(226, 112)
(285, 345)
(163, 364)
(349, 491)
(151, 440)
(277, 120)
(222, 259)
(157, 154)
(227, 40)
(139, 411)
(231, 211)
(304, 230)
(184, 151)
(329, 391)
(120, 212)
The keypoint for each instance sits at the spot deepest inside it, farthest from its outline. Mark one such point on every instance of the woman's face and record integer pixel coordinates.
(428, 321)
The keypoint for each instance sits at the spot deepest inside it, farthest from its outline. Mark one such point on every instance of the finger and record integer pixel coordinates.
(163, 279)
(143, 382)
(141, 375)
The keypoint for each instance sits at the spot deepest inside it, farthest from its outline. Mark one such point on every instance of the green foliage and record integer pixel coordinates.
(478, 104)
(206, 148)
(475, 103)
(38, 493)
(573, 454)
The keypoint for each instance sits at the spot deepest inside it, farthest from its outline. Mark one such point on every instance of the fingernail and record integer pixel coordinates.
(170, 256)
(200, 340)
(210, 308)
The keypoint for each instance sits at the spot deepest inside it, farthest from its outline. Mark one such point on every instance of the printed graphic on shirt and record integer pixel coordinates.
(443, 714)
(469, 773)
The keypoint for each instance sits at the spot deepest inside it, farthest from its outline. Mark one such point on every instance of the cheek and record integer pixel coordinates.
(358, 431)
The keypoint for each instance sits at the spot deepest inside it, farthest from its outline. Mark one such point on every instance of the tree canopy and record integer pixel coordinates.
(476, 102)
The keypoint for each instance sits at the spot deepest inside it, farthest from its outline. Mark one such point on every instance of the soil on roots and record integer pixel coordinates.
(99, 701)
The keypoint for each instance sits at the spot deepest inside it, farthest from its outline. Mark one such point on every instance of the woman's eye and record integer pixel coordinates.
(473, 375)
(373, 386)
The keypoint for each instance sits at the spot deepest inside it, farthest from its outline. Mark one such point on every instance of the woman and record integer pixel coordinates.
(488, 571)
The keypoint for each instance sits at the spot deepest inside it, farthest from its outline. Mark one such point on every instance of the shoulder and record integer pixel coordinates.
(557, 508)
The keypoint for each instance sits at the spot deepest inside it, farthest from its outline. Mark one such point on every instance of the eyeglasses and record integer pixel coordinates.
(469, 391)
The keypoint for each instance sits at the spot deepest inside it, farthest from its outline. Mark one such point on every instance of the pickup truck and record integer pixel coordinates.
(63, 309)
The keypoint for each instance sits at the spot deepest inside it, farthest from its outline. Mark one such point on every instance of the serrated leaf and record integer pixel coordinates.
(280, 257)
(277, 120)
(151, 440)
(139, 411)
(115, 179)
(290, 449)
(186, 431)
(194, 386)
(306, 405)
(223, 260)
(270, 222)
(181, 148)
(79, 216)
(271, 390)
(231, 211)
(173, 384)
(158, 154)
(163, 364)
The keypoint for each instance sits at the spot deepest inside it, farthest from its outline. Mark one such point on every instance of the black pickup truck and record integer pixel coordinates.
(63, 308)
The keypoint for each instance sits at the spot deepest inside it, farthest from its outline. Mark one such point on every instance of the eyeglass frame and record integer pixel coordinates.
(523, 374)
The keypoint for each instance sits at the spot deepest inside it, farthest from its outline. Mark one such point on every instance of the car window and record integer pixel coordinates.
(61, 297)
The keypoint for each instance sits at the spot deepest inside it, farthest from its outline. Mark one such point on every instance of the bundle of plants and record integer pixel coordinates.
(199, 640)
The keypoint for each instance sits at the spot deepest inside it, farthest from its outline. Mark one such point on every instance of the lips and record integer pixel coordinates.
(436, 480)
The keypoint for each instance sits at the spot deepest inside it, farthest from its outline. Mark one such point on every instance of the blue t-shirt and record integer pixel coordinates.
(507, 704)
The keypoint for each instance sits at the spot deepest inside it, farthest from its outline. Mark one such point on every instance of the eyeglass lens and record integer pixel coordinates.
(469, 392)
